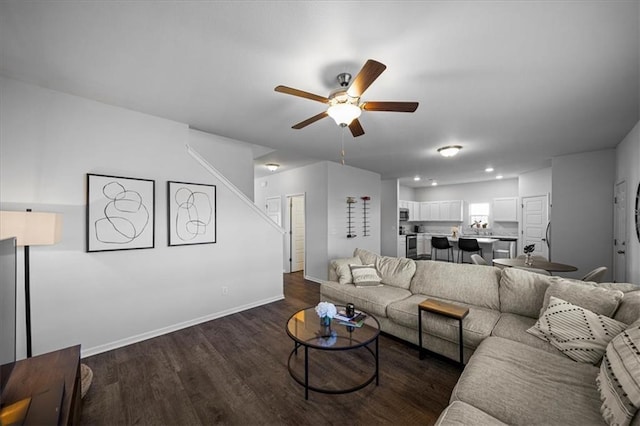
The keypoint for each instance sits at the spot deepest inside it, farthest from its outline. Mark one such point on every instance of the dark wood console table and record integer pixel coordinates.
(42, 373)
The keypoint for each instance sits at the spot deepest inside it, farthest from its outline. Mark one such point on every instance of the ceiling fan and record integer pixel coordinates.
(344, 103)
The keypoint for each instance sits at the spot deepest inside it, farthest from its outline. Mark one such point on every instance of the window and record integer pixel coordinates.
(478, 215)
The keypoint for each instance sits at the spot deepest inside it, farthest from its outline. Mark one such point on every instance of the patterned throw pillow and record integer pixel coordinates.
(619, 378)
(575, 331)
(365, 276)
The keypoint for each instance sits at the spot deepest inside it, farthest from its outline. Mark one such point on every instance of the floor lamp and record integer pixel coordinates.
(30, 229)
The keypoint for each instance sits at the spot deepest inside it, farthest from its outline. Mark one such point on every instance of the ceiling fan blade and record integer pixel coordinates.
(301, 93)
(356, 128)
(390, 106)
(367, 75)
(308, 121)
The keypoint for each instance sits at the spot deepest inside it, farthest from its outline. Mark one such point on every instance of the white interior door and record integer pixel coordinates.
(620, 228)
(535, 218)
(274, 210)
(297, 232)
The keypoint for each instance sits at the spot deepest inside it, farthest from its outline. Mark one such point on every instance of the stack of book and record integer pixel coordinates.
(357, 320)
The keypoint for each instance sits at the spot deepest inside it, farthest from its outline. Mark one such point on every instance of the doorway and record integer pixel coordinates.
(535, 224)
(296, 246)
(620, 229)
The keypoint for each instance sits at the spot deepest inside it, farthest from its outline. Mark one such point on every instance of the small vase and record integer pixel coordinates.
(325, 321)
(528, 260)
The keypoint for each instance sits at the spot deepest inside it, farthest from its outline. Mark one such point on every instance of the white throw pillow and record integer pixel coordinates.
(619, 378)
(365, 276)
(343, 270)
(575, 331)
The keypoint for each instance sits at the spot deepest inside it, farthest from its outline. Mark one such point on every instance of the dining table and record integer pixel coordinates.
(537, 263)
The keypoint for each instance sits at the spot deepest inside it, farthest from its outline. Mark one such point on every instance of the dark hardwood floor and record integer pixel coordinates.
(233, 370)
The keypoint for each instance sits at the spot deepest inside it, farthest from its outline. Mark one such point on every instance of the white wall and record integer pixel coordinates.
(535, 183)
(406, 193)
(346, 181)
(326, 186)
(310, 180)
(49, 141)
(582, 211)
(389, 217)
(477, 192)
(218, 150)
(628, 170)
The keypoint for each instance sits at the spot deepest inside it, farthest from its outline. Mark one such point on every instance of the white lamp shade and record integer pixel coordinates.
(344, 113)
(31, 228)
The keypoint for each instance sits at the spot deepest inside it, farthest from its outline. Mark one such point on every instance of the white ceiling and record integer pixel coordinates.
(514, 83)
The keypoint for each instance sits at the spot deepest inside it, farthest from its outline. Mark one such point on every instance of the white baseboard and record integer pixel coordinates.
(314, 279)
(161, 331)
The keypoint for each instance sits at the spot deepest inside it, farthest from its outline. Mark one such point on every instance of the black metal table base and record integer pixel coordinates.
(305, 381)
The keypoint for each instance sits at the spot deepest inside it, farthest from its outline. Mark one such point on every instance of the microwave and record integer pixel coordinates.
(404, 215)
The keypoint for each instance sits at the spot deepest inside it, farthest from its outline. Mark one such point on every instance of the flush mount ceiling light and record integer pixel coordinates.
(499, 177)
(417, 178)
(434, 183)
(488, 169)
(449, 151)
(272, 167)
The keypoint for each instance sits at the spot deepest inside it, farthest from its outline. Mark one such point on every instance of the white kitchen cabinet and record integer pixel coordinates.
(402, 246)
(441, 211)
(455, 211)
(505, 209)
(402, 204)
(414, 211)
(434, 210)
(420, 240)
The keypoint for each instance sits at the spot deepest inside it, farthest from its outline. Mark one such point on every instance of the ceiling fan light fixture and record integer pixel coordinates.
(272, 167)
(449, 151)
(344, 113)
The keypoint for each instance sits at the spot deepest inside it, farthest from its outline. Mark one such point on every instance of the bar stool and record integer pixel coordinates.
(470, 245)
(441, 243)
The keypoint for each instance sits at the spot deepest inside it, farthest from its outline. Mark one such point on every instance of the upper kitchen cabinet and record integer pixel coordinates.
(505, 209)
(413, 207)
(441, 211)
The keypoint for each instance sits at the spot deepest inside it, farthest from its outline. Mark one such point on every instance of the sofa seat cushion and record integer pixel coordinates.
(518, 384)
(373, 300)
(476, 326)
(514, 327)
(461, 414)
(458, 283)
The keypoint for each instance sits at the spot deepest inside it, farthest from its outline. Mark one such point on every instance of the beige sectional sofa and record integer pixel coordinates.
(511, 376)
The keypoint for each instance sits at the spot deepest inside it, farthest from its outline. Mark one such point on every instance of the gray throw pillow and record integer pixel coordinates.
(343, 270)
(365, 276)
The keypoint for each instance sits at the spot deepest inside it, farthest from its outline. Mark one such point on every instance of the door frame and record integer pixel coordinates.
(288, 253)
(620, 276)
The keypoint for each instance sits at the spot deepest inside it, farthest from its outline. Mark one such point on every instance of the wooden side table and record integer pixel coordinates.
(446, 309)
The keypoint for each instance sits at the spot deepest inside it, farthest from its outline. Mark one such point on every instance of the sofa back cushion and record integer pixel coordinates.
(366, 257)
(522, 292)
(396, 271)
(601, 300)
(629, 309)
(473, 284)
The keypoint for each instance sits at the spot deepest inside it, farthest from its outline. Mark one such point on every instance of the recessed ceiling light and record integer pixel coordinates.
(488, 169)
(499, 177)
(449, 151)
(434, 183)
(417, 178)
(272, 167)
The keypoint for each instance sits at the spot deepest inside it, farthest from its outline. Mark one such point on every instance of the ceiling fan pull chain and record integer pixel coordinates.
(342, 150)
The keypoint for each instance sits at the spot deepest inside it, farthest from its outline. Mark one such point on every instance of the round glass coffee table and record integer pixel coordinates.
(305, 330)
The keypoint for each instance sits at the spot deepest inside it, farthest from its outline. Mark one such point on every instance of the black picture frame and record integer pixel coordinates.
(191, 212)
(120, 213)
